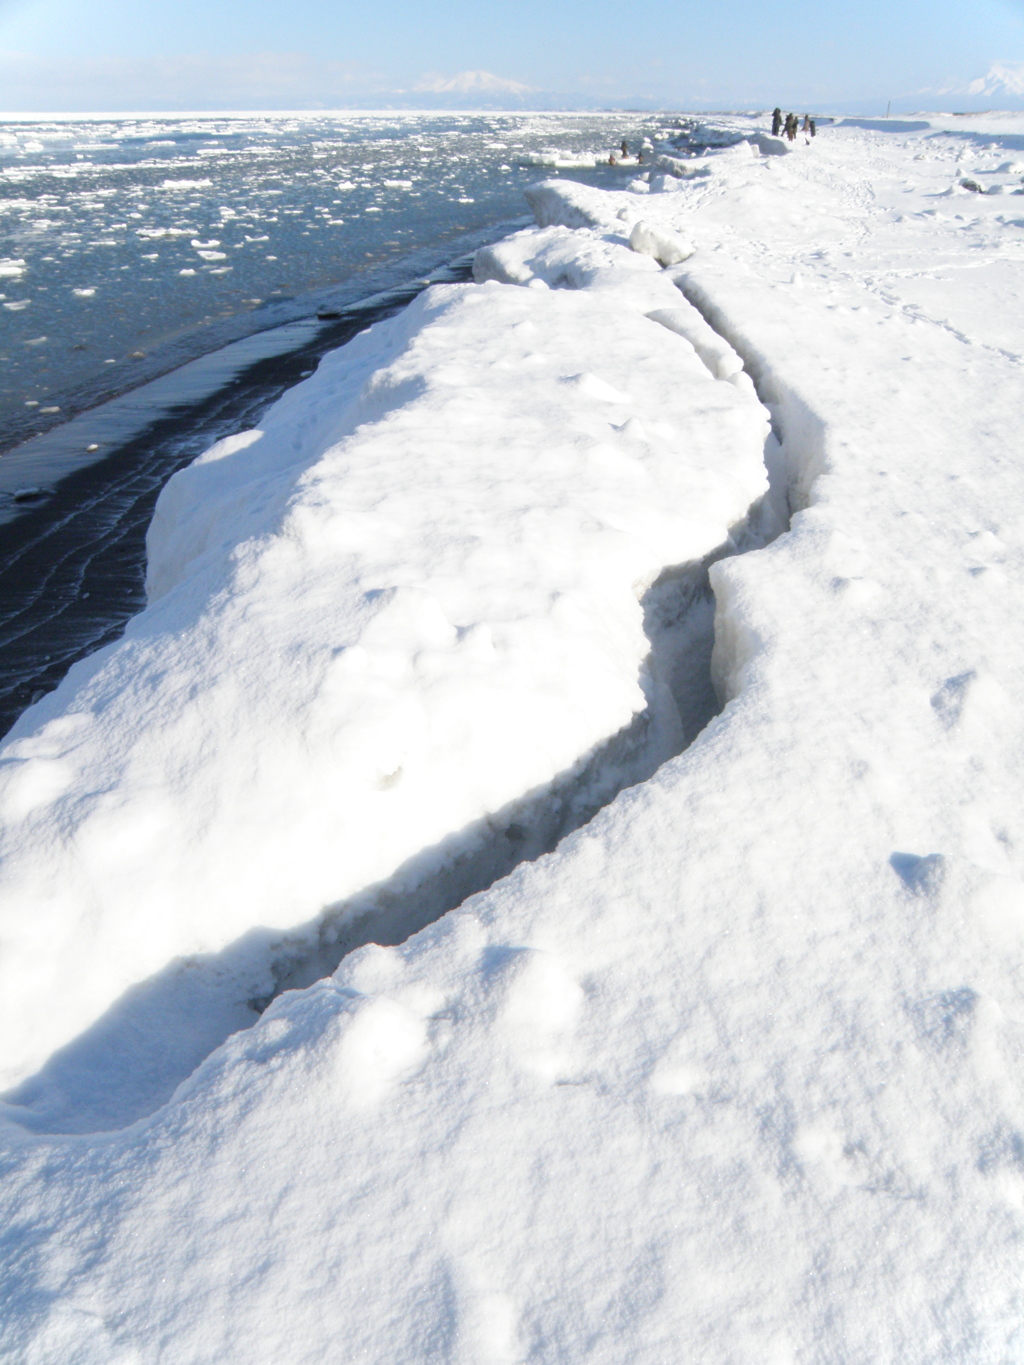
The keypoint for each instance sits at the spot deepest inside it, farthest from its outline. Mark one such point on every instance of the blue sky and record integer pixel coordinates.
(65, 54)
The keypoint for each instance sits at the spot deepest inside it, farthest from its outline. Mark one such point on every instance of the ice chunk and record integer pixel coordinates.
(715, 135)
(676, 166)
(772, 146)
(564, 203)
(559, 256)
(667, 247)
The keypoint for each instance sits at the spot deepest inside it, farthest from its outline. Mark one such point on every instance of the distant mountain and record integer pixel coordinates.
(485, 90)
(1002, 87)
(473, 83)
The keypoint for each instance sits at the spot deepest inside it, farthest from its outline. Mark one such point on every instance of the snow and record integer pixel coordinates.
(474, 602)
(1002, 84)
(731, 1074)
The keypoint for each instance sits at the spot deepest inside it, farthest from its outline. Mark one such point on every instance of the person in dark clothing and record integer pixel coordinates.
(625, 147)
(776, 121)
(792, 126)
(814, 129)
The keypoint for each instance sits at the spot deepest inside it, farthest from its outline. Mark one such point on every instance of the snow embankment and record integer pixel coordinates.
(734, 1074)
(408, 602)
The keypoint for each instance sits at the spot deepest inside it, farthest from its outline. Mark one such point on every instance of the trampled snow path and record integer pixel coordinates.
(734, 1074)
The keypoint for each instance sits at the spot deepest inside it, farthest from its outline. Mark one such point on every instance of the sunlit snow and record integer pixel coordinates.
(733, 1072)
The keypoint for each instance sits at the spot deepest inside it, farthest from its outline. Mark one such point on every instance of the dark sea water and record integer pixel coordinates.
(129, 247)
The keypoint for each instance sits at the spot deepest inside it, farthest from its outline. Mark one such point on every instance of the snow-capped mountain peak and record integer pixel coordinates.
(1002, 79)
(471, 82)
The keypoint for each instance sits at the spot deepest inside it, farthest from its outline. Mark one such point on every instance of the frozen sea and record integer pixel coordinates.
(130, 245)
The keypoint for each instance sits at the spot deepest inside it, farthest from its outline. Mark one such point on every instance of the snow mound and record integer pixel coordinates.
(773, 146)
(667, 248)
(407, 600)
(665, 184)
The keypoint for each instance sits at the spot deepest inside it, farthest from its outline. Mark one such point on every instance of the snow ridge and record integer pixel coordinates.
(400, 699)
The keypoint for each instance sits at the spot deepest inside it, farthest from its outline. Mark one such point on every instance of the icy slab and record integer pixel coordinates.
(681, 169)
(407, 600)
(559, 257)
(716, 353)
(560, 161)
(563, 203)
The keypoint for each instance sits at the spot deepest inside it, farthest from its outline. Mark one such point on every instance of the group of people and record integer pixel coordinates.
(791, 125)
(613, 160)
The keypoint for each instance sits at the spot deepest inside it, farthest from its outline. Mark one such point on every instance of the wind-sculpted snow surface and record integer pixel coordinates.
(734, 1074)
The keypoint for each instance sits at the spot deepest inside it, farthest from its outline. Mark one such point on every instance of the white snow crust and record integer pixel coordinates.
(733, 1074)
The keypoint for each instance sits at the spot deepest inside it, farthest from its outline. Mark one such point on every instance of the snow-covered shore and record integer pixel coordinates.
(734, 1073)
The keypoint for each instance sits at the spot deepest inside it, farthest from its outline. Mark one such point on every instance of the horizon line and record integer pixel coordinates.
(86, 114)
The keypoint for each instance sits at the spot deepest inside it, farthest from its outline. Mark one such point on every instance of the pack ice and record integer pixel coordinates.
(734, 1073)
